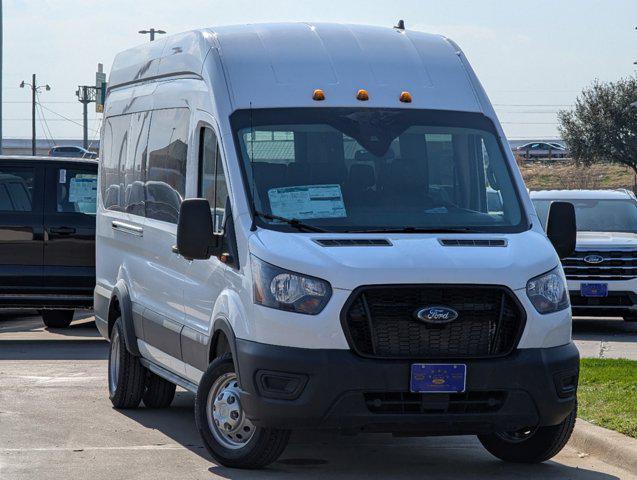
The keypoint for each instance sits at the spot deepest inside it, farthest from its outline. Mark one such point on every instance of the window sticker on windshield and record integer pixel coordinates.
(82, 190)
(62, 175)
(307, 201)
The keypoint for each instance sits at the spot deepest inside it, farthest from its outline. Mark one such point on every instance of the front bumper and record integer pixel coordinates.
(621, 299)
(336, 389)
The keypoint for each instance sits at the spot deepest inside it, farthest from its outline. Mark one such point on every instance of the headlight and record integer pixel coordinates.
(548, 292)
(275, 287)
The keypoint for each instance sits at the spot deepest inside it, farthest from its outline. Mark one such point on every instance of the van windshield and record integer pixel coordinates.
(366, 170)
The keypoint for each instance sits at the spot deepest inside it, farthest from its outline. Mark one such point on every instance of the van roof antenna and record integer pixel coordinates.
(401, 25)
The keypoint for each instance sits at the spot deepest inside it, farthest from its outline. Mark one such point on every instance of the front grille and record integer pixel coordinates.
(397, 403)
(614, 265)
(381, 322)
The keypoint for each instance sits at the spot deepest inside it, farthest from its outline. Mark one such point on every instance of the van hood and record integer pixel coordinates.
(409, 258)
(606, 240)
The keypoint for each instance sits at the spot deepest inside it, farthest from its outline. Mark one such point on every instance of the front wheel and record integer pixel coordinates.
(229, 436)
(530, 445)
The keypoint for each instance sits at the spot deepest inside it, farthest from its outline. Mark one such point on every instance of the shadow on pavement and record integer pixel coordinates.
(323, 454)
(602, 328)
(78, 328)
(53, 350)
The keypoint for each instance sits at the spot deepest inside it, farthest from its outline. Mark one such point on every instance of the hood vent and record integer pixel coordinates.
(353, 242)
(468, 242)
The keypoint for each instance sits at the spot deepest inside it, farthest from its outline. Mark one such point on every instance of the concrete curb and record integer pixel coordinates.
(610, 446)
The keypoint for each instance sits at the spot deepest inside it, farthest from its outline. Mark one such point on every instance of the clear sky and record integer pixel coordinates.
(532, 56)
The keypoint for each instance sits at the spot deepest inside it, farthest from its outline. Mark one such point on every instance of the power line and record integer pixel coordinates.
(43, 120)
(536, 105)
(65, 118)
(24, 101)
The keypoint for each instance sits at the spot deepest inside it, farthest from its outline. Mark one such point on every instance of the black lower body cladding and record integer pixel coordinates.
(296, 388)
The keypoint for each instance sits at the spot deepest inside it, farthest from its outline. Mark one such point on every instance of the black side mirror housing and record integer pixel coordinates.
(561, 228)
(195, 234)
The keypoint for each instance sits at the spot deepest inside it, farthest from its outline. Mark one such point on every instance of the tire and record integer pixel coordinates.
(540, 445)
(57, 318)
(159, 393)
(231, 448)
(126, 375)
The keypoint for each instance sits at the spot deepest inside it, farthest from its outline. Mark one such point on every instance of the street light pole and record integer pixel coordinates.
(152, 33)
(34, 91)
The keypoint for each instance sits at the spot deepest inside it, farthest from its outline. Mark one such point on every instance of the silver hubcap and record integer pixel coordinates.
(226, 419)
(113, 366)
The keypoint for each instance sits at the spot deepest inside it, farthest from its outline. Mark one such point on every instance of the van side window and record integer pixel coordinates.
(212, 179)
(166, 168)
(115, 151)
(135, 167)
(16, 187)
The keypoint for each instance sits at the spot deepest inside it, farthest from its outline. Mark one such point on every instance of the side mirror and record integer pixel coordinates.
(561, 228)
(195, 235)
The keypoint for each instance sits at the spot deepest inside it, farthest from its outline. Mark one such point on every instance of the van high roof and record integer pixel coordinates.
(281, 64)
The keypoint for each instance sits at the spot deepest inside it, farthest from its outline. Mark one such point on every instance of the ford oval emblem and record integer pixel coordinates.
(593, 259)
(437, 314)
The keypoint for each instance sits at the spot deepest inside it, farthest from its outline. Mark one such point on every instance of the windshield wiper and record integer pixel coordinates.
(415, 230)
(293, 222)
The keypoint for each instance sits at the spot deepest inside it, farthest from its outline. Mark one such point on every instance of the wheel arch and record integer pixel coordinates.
(120, 306)
(223, 341)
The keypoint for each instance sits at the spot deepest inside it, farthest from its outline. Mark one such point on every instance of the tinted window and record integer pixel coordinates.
(597, 215)
(16, 189)
(166, 168)
(207, 162)
(115, 145)
(212, 180)
(135, 166)
(76, 191)
(370, 169)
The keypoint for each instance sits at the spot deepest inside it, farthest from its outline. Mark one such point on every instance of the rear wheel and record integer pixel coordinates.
(57, 318)
(530, 445)
(159, 392)
(126, 375)
(229, 436)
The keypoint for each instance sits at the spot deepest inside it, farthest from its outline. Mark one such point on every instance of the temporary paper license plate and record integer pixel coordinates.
(594, 289)
(438, 377)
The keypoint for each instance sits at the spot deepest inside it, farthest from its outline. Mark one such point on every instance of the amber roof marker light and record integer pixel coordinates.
(362, 95)
(405, 97)
(318, 95)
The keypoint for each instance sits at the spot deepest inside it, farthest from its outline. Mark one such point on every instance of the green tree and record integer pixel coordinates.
(602, 125)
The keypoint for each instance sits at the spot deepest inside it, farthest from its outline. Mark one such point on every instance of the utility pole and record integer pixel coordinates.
(35, 89)
(86, 94)
(152, 32)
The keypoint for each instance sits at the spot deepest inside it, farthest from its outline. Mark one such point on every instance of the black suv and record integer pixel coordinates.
(47, 235)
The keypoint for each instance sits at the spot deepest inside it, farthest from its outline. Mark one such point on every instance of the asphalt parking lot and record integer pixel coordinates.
(56, 422)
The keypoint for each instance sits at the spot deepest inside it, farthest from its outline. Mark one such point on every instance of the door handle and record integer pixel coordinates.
(62, 230)
(126, 228)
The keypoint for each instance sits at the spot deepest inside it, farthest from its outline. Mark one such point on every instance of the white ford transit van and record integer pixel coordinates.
(293, 224)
